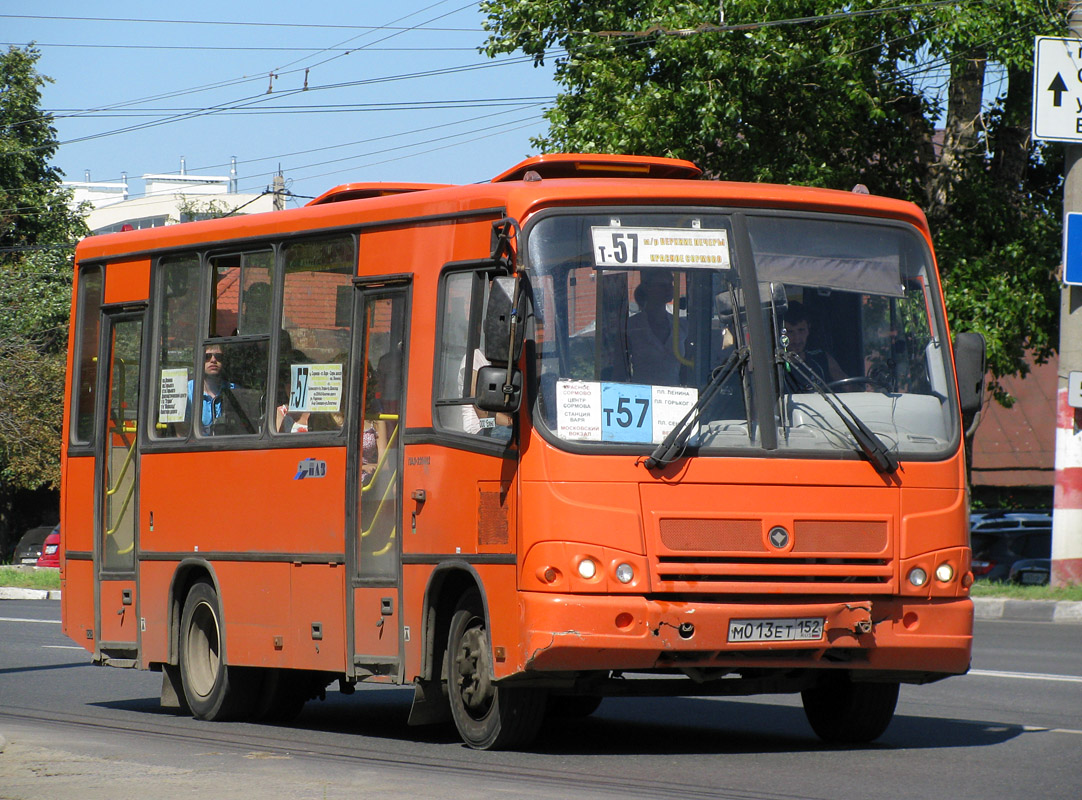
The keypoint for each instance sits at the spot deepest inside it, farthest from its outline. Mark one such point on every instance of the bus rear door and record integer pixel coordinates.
(117, 487)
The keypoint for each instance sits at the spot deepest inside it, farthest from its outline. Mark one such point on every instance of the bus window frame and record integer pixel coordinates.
(761, 374)
(265, 438)
(441, 434)
(77, 446)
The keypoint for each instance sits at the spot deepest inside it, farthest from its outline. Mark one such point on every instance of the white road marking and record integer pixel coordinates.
(18, 619)
(1025, 676)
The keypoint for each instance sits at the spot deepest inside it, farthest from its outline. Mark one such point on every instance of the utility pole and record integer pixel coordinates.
(1067, 511)
(279, 191)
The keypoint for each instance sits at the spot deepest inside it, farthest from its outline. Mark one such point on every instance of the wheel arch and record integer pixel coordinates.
(187, 573)
(447, 584)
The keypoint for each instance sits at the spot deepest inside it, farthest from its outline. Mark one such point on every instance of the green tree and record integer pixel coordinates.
(832, 94)
(38, 230)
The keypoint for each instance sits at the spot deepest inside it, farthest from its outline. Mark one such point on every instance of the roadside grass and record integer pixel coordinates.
(30, 577)
(1012, 591)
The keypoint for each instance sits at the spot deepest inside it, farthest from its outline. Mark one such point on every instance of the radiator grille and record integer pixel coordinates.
(732, 555)
(712, 535)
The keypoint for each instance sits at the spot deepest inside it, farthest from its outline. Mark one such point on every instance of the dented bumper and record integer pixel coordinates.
(584, 632)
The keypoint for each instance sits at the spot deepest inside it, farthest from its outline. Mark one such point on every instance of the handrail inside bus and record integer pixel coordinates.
(120, 516)
(687, 362)
(109, 492)
(387, 449)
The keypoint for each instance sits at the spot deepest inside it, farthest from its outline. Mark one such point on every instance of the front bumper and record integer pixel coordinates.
(587, 632)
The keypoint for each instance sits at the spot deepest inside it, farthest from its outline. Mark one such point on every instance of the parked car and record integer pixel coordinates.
(1031, 571)
(50, 550)
(1001, 538)
(28, 550)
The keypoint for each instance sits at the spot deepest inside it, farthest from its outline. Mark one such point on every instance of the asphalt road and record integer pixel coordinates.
(1012, 728)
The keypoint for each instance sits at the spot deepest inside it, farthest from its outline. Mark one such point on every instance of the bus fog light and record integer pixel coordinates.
(587, 568)
(625, 573)
(917, 576)
(944, 573)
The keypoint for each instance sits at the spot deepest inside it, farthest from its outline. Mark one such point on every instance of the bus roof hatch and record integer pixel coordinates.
(600, 165)
(361, 191)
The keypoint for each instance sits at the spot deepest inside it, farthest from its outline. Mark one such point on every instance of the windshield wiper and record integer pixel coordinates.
(870, 445)
(673, 445)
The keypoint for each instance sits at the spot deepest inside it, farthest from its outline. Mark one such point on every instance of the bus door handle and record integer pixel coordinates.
(418, 496)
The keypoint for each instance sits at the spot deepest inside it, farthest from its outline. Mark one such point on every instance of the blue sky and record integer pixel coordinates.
(408, 99)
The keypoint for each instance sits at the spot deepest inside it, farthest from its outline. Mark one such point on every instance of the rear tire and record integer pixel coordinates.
(843, 712)
(488, 716)
(214, 691)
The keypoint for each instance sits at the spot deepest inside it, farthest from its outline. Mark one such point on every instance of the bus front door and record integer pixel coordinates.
(117, 490)
(375, 475)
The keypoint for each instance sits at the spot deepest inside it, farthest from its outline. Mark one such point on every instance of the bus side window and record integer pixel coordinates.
(461, 355)
(86, 359)
(314, 335)
(178, 309)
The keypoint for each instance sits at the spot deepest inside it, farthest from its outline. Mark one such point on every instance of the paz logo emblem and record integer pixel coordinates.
(779, 537)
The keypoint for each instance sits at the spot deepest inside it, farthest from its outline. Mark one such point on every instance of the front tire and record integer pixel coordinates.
(214, 691)
(843, 712)
(488, 716)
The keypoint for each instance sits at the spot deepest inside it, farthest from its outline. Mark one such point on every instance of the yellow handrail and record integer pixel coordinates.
(127, 461)
(120, 516)
(386, 451)
(379, 508)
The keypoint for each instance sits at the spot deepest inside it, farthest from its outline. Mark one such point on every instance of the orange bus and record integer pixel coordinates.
(595, 428)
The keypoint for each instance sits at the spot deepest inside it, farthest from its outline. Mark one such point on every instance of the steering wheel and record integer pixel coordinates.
(859, 380)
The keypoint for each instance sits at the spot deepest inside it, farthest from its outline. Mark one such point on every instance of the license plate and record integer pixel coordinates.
(805, 629)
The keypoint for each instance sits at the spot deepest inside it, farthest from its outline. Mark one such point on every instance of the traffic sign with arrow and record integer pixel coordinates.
(1057, 89)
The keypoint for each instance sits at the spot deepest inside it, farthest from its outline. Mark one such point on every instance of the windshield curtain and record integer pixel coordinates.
(634, 311)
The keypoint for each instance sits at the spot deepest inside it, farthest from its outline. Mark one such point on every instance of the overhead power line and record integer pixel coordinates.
(240, 24)
(750, 26)
(240, 48)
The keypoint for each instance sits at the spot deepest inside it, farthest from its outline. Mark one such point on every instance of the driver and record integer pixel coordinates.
(822, 363)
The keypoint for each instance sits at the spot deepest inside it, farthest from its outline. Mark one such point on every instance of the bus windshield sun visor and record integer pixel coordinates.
(838, 256)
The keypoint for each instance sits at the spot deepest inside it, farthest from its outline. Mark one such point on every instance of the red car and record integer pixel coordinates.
(50, 550)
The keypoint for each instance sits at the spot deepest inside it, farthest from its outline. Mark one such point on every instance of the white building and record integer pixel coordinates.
(166, 200)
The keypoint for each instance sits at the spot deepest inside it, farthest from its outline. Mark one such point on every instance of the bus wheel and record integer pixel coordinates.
(214, 691)
(488, 717)
(843, 712)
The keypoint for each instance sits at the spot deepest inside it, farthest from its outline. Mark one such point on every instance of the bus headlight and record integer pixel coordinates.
(625, 573)
(587, 568)
(917, 576)
(944, 573)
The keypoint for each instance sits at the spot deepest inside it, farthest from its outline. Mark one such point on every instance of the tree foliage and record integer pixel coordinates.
(833, 94)
(37, 232)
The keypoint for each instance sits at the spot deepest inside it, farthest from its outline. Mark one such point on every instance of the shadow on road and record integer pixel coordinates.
(636, 726)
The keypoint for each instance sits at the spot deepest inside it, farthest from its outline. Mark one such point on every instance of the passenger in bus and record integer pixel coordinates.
(214, 382)
(798, 328)
(649, 332)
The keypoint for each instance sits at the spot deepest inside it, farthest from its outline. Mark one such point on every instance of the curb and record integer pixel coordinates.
(11, 593)
(1027, 610)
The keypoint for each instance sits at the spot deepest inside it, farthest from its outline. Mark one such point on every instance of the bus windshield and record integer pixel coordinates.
(635, 312)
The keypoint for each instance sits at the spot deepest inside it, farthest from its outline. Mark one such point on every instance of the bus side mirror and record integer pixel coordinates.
(493, 393)
(969, 363)
(505, 322)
